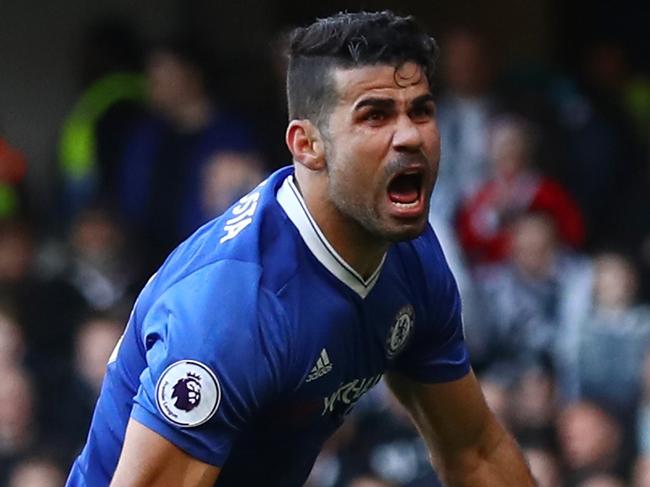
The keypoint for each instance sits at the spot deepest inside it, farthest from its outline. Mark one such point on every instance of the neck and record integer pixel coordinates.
(361, 250)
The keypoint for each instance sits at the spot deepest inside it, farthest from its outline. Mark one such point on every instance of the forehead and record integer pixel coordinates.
(385, 80)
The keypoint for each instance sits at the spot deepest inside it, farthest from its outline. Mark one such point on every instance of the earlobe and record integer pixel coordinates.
(304, 142)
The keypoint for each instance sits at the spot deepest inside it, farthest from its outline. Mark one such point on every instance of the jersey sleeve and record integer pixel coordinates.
(437, 352)
(215, 356)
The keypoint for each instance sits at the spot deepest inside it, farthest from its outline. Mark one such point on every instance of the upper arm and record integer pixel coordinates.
(452, 416)
(215, 356)
(433, 377)
(149, 459)
(434, 380)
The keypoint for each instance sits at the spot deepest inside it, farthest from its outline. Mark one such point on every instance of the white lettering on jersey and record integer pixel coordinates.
(349, 393)
(243, 214)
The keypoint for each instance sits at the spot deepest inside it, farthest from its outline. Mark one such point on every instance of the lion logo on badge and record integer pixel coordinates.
(187, 392)
(400, 331)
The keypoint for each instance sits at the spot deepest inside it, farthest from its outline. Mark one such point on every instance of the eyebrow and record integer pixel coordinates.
(375, 102)
(388, 103)
(423, 99)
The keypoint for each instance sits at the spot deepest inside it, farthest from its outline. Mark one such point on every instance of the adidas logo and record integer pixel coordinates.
(322, 367)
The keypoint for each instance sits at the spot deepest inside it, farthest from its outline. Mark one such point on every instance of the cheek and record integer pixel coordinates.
(356, 157)
(359, 152)
(431, 136)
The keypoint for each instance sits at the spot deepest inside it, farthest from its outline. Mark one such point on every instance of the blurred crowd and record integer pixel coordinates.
(541, 206)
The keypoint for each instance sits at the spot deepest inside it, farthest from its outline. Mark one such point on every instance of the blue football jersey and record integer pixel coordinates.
(254, 340)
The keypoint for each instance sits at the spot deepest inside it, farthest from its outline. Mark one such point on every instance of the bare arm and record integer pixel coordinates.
(149, 459)
(468, 445)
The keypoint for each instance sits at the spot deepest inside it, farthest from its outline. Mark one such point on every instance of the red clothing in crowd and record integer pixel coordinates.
(13, 164)
(484, 219)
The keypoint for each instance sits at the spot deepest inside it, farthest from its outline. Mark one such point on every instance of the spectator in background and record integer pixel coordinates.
(642, 472)
(368, 481)
(94, 343)
(13, 169)
(496, 389)
(331, 468)
(473, 305)
(378, 441)
(78, 390)
(611, 80)
(590, 441)
(94, 133)
(226, 177)
(101, 267)
(390, 448)
(643, 415)
(386, 445)
(485, 218)
(463, 115)
(530, 297)
(16, 251)
(617, 329)
(168, 170)
(12, 341)
(533, 407)
(606, 158)
(36, 472)
(46, 307)
(545, 466)
(602, 480)
(18, 425)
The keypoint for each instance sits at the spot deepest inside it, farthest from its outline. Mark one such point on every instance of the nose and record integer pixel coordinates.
(407, 136)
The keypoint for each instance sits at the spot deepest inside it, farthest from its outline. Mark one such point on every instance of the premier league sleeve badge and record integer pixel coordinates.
(188, 393)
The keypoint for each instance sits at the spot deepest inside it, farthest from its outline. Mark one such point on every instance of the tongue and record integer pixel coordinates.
(404, 189)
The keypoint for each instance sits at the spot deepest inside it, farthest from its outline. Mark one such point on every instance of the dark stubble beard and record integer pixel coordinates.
(351, 203)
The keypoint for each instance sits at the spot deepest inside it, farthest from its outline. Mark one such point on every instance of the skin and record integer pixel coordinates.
(382, 125)
(177, 90)
(468, 446)
(148, 459)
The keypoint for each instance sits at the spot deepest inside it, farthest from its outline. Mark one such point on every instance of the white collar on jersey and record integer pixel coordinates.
(295, 207)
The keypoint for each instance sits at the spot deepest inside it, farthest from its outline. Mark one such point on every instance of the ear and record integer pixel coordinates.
(306, 144)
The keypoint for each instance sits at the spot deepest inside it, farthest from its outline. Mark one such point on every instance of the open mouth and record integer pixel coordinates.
(405, 189)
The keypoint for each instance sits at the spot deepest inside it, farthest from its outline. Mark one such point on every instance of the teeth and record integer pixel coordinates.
(406, 205)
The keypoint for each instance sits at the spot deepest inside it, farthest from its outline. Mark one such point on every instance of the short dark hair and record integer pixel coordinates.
(348, 40)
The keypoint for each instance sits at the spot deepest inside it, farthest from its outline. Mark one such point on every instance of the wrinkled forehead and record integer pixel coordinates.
(353, 83)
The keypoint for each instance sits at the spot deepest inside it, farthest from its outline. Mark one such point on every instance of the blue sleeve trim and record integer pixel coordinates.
(440, 375)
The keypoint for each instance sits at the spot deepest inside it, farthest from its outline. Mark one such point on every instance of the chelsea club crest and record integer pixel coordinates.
(400, 331)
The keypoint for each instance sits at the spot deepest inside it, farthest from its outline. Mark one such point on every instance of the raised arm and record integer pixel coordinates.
(149, 459)
(468, 445)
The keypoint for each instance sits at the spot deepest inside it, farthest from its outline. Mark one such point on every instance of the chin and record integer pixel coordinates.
(400, 233)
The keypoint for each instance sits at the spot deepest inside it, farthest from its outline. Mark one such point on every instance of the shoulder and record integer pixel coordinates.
(424, 260)
(220, 315)
(426, 253)
(229, 257)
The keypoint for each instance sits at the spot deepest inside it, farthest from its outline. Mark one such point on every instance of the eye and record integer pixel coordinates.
(376, 116)
(423, 112)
